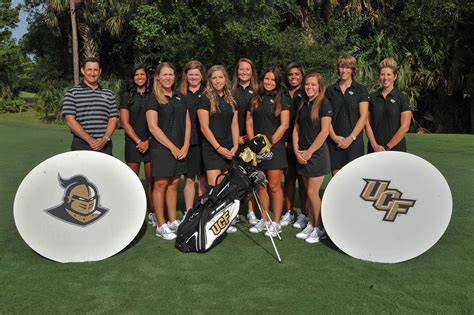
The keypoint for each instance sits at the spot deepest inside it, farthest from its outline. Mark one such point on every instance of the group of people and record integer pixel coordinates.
(197, 129)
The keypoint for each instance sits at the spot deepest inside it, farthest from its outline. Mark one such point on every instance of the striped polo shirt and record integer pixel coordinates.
(92, 108)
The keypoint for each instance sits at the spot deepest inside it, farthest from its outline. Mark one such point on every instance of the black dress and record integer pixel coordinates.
(136, 107)
(220, 123)
(385, 113)
(265, 122)
(319, 163)
(194, 163)
(346, 114)
(242, 98)
(172, 121)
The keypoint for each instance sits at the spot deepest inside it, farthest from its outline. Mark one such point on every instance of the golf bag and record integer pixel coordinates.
(205, 225)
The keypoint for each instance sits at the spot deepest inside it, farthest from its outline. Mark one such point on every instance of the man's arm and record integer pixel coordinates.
(77, 129)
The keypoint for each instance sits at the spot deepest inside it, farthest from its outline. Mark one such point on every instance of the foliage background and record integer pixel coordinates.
(431, 40)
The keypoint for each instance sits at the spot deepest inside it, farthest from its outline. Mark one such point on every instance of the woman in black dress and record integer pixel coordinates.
(294, 75)
(350, 102)
(389, 112)
(269, 114)
(170, 126)
(218, 118)
(312, 126)
(133, 104)
(192, 86)
(244, 86)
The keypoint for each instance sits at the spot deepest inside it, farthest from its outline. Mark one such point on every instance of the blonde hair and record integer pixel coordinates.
(347, 61)
(319, 99)
(388, 63)
(212, 93)
(253, 79)
(193, 64)
(160, 96)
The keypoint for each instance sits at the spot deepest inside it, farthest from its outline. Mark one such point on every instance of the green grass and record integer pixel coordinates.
(240, 275)
(27, 96)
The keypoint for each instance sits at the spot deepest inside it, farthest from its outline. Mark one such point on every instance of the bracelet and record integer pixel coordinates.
(107, 138)
(218, 148)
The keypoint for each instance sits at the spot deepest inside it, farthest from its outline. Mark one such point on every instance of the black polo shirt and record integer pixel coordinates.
(192, 101)
(385, 115)
(264, 120)
(220, 122)
(242, 98)
(171, 118)
(296, 101)
(136, 104)
(346, 106)
(91, 108)
(309, 130)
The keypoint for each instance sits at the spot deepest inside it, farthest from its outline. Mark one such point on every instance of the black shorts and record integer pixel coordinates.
(132, 155)
(194, 165)
(340, 157)
(79, 144)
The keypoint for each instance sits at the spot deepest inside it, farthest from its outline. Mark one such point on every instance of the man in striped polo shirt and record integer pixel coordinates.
(90, 111)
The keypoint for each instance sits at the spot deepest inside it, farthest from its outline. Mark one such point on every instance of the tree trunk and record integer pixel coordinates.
(75, 45)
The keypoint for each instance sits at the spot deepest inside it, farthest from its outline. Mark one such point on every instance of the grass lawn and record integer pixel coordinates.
(240, 275)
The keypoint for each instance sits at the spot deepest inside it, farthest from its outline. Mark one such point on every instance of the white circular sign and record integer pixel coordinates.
(386, 207)
(79, 206)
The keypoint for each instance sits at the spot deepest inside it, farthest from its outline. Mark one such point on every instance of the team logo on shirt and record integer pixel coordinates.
(351, 93)
(392, 100)
(250, 92)
(80, 204)
(385, 198)
(272, 101)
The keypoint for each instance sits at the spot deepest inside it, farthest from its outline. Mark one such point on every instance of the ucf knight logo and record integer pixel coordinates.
(80, 202)
(386, 199)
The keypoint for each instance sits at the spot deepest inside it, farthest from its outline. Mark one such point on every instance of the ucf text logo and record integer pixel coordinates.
(385, 198)
(221, 223)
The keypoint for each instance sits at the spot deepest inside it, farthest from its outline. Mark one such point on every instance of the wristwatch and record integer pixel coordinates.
(106, 137)
(353, 138)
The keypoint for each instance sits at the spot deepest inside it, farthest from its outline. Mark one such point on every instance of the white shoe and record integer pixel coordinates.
(152, 219)
(165, 232)
(321, 233)
(231, 229)
(252, 218)
(301, 221)
(259, 227)
(173, 226)
(274, 230)
(306, 232)
(313, 237)
(287, 218)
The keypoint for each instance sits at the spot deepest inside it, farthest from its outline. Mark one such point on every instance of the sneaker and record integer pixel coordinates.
(231, 229)
(152, 219)
(306, 232)
(274, 230)
(301, 221)
(252, 218)
(286, 219)
(173, 226)
(165, 232)
(313, 237)
(321, 233)
(259, 227)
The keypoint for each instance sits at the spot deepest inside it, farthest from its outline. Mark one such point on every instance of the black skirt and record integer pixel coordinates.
(213, 160)
(318, 165)
(163, 164)
(132, 155)
(194, 164)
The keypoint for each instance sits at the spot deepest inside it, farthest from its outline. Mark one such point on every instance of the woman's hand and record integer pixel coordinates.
(300, 158)
(143, 146)
(183, 152)
(227, 154)
(243, 140)
(378, 148)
